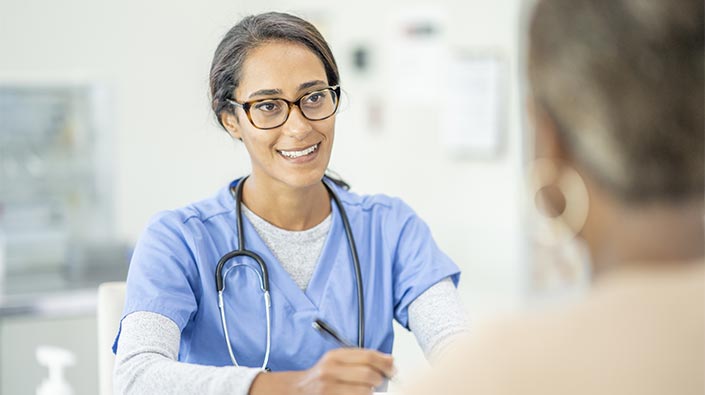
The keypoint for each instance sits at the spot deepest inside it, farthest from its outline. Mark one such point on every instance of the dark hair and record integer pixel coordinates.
(623, 79)
(251, 32)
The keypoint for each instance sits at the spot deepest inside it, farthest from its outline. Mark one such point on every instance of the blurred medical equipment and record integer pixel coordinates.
(55, 184)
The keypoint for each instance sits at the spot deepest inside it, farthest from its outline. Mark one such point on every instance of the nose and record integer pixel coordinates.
(297, 126)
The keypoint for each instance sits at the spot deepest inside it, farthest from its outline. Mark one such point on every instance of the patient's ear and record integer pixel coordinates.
(547, 139)
(231, 124)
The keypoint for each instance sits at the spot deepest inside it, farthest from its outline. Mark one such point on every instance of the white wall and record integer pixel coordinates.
(169, 151)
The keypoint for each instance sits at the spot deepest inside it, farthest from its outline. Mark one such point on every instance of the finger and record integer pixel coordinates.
(355, 374)
(349, 389)
(384, 363)
(328, 379)
(359, 356)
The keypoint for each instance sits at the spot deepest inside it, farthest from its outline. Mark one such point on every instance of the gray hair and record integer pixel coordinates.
(623, 80)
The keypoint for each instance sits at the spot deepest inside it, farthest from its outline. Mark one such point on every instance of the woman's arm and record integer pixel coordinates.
(436, 317)
(149, 345)
(146, 362)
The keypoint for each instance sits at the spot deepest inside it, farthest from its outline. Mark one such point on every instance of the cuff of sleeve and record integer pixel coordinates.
(241, 380)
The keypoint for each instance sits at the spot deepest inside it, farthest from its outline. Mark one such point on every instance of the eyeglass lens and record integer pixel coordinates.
(314, 106)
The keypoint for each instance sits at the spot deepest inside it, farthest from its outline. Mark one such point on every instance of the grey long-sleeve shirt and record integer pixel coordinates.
(146, 362)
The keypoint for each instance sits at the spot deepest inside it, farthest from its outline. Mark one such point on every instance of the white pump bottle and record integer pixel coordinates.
(56, 359)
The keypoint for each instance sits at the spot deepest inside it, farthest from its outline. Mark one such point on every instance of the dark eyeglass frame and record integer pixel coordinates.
(248, 104)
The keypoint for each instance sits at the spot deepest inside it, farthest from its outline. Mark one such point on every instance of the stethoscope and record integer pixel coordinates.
(263, 273)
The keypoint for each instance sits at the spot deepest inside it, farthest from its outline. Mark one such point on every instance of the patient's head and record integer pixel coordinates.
(622, 80)
(617, 95)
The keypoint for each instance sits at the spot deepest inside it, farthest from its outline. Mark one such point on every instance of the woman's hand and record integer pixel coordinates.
(341, 371)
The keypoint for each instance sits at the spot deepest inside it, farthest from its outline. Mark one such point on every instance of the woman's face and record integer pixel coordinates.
(283, 70)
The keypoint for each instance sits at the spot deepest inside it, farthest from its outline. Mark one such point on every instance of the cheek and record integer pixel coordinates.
(327, 128)
(256, 143)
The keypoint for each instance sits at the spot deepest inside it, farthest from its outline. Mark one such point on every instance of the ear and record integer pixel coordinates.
(547, 141)
(232, 124)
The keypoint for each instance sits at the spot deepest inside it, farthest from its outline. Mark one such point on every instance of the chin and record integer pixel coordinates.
(300, 179)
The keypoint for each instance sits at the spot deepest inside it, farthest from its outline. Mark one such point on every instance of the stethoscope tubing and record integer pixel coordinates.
(264, 277)
(356, 268)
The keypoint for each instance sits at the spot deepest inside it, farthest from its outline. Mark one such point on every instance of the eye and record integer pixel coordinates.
(316, 97)
(267, 106)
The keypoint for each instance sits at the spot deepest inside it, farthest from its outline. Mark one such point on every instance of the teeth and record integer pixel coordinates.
(296, 154)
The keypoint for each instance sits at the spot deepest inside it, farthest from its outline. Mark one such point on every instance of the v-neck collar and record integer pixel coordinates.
(312, 298)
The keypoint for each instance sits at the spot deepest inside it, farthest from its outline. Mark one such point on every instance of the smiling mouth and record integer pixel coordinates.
(298, 154)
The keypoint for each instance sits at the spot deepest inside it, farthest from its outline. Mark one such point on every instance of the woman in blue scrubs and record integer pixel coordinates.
(275, 86)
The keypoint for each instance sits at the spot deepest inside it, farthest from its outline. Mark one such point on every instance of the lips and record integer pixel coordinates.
(293, 154)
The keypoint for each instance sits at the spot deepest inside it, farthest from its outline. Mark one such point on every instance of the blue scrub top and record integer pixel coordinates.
(172, 273)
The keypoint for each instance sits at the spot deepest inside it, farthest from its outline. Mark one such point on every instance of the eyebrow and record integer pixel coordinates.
(265, 92)
(271, 92)
(311, 84)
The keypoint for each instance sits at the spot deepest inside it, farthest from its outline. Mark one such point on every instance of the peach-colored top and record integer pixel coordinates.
(640, 330)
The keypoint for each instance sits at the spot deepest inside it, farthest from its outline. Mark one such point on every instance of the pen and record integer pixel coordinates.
(326, 331)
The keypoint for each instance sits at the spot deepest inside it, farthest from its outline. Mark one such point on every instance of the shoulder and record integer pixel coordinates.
(374, 204)
(392, 218)
(184, 222)
(498, 354)
(200, 211)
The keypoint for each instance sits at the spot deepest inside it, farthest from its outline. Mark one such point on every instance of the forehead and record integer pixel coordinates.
(279, 65)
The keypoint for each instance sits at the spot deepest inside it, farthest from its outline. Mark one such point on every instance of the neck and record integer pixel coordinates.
(647, 234)
(286, 207)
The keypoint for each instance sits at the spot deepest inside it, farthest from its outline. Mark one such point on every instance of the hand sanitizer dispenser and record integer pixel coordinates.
(55, 359)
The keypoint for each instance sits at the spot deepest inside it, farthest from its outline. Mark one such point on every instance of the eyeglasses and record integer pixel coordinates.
(273, 113)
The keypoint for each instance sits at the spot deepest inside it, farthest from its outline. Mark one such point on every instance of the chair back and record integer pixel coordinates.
(111, 300)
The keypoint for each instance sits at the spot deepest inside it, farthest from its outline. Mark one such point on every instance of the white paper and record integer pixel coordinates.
(417, 55)
(471, 116)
